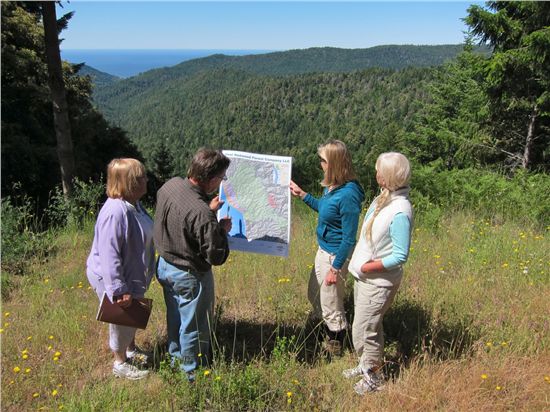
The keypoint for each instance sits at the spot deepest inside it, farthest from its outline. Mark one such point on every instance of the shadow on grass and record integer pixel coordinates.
(242, 341)
(410, 332)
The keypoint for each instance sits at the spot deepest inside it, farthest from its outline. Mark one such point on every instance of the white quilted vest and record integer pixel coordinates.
(380, 245)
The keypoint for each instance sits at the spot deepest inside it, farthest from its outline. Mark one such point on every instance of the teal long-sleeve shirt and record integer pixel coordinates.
(339, 211)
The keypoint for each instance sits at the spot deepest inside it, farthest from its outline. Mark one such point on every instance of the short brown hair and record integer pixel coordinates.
(207, 164)
(122, 177)
(339, 164)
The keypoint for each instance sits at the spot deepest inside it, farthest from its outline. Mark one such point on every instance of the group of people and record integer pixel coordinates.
(189, 240)
(375, 262)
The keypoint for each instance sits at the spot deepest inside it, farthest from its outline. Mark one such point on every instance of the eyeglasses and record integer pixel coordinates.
(224, 177)
(322, 160)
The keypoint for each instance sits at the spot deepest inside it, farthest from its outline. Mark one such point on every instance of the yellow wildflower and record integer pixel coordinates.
(54, 392)
(17, 369)
(35, 395)
(483, 376)
(206, 372)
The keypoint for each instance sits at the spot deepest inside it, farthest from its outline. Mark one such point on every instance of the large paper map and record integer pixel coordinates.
(257, 199)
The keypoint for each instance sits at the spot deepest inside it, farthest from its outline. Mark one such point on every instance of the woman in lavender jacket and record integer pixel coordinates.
(121, 262)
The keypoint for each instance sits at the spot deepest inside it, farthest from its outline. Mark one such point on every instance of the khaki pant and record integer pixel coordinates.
(328, 301)
(371, 303)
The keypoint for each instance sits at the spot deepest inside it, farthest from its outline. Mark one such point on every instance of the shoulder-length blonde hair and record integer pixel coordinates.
(339, 165)
(395, 169)
(122, 177)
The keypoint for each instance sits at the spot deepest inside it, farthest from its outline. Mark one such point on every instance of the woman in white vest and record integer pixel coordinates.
(376, 264)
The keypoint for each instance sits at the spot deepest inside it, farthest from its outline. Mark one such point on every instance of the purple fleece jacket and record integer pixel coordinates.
(118, 254)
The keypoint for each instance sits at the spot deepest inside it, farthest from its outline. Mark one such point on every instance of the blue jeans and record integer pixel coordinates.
(189, 298)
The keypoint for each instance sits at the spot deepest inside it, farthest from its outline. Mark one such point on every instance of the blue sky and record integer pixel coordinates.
(260, 25)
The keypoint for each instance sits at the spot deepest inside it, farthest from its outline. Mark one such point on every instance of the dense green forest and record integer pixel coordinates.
(279, 115)
(99, 79)
(450, 108)
(292, 62)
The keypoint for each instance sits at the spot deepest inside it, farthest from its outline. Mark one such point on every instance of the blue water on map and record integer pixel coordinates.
(238, 228)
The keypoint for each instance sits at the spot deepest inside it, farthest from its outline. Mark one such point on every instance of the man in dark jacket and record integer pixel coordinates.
(189, 240)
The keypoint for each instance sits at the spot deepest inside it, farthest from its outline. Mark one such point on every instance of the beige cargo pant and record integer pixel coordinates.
(371, 303)
(328, 301)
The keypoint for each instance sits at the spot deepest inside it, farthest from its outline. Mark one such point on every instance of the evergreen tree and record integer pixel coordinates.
(162, 163)
(450, 131)
(518, 77)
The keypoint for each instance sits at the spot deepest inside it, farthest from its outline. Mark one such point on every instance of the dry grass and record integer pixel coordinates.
(470, 330)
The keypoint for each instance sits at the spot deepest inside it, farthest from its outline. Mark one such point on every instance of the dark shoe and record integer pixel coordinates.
(333, 348)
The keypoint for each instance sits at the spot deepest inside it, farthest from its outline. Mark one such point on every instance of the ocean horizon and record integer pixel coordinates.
(131, 62)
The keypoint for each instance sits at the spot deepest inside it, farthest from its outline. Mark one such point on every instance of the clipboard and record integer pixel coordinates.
(136, 315)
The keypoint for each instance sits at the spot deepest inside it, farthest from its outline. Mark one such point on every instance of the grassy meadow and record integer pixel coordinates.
(470, 330)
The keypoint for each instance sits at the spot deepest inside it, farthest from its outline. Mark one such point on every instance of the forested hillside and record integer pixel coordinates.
(294, 62)
(99, 78)
(280, 115)
(449, 108)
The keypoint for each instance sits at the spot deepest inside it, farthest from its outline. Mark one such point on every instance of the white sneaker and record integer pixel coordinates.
(353, 372)
(370, 382)
(128, 371)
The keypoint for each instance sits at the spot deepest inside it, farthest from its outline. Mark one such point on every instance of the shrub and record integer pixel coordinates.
(523, 197)
(83, 204)
(22, 240)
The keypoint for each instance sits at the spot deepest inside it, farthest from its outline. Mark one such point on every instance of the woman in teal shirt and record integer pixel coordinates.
(338, 208)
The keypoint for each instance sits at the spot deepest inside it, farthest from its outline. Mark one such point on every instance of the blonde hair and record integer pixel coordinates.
(395, 169)
(339, 165)
(122, 177)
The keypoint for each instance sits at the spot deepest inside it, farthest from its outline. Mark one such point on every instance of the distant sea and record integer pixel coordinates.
(127, 63)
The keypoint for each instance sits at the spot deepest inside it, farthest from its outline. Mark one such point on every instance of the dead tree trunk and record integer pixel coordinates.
(529, 139)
